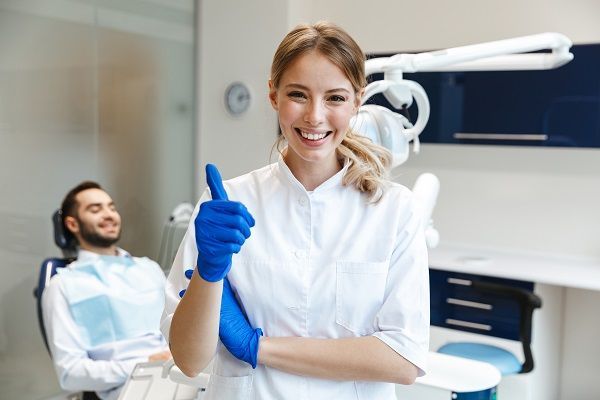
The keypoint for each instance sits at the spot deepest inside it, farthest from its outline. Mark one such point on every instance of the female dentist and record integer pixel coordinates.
(311, 271)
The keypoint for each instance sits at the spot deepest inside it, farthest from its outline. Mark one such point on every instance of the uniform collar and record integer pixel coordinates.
(85, 255)
(334, 181)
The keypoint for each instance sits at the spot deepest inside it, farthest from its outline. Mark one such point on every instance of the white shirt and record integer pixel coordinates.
(321, 264)
(103, 368)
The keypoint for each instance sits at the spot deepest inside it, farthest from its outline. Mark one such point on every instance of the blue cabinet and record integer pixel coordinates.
(559, 107)
(458, 303)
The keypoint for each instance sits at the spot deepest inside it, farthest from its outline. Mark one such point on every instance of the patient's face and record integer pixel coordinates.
(97, 217)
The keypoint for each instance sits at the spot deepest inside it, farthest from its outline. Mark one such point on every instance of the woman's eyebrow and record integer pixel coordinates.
(302, 87)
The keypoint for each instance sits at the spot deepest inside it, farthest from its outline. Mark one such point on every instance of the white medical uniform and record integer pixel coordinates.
(101, 356)
(320, 264)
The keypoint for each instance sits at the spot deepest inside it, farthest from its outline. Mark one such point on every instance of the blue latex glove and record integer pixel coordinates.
(235, 331)
(222, 226)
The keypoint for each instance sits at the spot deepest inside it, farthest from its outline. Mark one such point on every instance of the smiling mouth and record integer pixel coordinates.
(315, 137)
(109, 226)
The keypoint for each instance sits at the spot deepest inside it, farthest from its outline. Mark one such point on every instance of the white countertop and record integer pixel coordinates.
(559, 270)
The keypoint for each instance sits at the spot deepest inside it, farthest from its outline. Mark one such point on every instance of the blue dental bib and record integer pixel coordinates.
(114, 298)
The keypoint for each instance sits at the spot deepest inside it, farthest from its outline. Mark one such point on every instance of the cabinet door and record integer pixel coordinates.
(559, 107)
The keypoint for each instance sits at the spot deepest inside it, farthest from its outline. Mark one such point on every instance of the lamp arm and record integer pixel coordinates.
(401, 94)
(497, 55)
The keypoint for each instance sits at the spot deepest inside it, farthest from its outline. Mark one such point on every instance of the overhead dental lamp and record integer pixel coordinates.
(395, 131)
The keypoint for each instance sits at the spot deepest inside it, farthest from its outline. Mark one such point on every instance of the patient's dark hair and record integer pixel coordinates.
(69, 204)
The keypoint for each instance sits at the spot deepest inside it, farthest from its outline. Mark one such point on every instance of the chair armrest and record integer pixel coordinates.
(528, 302)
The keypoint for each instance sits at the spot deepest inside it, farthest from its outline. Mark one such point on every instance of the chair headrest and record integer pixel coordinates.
(62, 237)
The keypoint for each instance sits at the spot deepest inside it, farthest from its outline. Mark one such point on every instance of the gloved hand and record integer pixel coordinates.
(235, 331)
(222, 227)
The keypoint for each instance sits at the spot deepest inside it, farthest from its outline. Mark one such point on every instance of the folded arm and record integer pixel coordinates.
(365, 358)
(362, 359)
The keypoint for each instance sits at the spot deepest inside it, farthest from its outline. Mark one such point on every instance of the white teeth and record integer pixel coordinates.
(313, 136)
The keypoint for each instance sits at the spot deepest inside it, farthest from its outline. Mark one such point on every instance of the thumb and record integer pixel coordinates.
(215, 183)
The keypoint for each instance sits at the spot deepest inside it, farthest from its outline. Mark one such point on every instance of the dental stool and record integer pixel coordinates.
(50, 266)
(488, 306)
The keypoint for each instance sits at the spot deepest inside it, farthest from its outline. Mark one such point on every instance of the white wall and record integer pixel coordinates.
(237, 42)
(543, 200)
(531, 199)
(390, 25)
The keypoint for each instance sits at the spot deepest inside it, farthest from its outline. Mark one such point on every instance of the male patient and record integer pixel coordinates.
(102, 312)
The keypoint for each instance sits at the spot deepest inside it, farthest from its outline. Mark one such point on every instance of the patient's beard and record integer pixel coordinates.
(94, 238)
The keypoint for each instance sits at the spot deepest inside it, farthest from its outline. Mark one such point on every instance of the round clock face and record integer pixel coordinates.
(237, 98)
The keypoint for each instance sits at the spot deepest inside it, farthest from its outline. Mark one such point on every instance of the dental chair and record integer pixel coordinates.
(50, 266)
(148, 381)
(496, 307)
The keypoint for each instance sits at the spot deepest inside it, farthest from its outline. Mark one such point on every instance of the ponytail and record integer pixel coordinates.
(368, 165)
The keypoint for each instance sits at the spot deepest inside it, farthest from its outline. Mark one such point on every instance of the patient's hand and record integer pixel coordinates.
(162, 356)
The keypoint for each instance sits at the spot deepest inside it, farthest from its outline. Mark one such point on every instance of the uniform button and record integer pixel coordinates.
(189, 273)
(302, 201)
(299, 253)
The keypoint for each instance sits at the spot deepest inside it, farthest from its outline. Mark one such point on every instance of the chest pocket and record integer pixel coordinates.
(360, 290)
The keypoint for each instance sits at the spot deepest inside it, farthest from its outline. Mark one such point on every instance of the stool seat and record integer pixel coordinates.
(504, 360)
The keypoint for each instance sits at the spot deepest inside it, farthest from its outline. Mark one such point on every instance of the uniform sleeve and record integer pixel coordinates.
(75, 370)
(178, 279)
(403, 320)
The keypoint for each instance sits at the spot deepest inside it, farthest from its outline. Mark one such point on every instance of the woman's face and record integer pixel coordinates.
(315, 101)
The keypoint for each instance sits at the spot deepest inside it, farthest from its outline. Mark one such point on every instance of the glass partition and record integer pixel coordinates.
(100, 90)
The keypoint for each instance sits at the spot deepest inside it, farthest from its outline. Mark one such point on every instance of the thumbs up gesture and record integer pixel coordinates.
(222, 226)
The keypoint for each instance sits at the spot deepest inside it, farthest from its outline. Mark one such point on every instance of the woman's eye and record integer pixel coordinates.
(336, 98)
(297, 95)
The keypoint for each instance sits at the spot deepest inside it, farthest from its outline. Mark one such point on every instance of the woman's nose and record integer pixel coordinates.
(315, 113)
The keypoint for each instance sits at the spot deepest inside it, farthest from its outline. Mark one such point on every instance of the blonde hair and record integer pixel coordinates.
(367, 162)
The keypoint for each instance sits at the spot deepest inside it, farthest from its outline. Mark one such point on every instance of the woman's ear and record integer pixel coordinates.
(358, 99)
(273, 96)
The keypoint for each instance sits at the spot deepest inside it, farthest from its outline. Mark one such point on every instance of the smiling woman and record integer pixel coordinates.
(330, 94)
(311, 271)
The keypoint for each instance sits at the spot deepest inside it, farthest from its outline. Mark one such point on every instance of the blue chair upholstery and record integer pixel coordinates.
(504, 360)
(64, 239)
(49, 267)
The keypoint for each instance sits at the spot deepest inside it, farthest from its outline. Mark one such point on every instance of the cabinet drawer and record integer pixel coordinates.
(455, 304)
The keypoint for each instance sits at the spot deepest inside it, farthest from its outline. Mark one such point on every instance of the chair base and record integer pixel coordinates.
(488, 394)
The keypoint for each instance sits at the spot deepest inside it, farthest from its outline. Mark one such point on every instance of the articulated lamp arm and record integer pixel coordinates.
(395, 132)
(499, 55)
